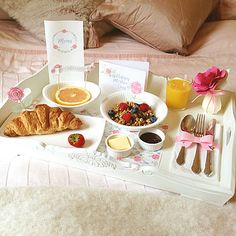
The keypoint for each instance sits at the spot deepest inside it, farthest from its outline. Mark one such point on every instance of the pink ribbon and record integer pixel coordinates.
(187, 139)
(214, 94)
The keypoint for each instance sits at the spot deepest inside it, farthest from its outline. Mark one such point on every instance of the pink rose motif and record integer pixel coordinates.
(136, 87)
(108, 71)
(55, 46)
(115, 131)
(64, 31)
(208, 81)
(155, 156)
(74, 46)
(137, 158)
(15, 94)
(119, 158)
(57, 66)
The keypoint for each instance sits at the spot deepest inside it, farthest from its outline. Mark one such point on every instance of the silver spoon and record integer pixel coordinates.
(187, 125)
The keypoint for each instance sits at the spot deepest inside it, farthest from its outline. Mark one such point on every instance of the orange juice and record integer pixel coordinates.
(177, 93)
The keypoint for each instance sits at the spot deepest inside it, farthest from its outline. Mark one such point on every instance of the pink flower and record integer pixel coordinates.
(54, 69)
(108, 71)
(137, 158)
(136, 87)
(208, 81)
(74, 46)
(64, 31)
(155, 156)
(55, 46)
(115, 131)
(57, 66)
(15, 94)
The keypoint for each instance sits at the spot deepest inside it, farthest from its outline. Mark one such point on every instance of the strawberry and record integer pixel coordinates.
(144, 107)
(76, 140)
(123, 106)
(126, 117)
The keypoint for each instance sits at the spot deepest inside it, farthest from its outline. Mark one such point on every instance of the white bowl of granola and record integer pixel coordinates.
(133, 112)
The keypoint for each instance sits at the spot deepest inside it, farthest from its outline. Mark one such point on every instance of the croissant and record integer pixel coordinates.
(42, 120)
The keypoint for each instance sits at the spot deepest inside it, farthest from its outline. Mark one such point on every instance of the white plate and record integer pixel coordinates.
(92, 129)
(49, 91)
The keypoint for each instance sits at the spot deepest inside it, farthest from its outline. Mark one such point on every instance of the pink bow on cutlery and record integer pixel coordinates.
(187, 139)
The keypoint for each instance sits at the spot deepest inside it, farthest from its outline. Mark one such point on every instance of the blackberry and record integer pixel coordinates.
(111, 113)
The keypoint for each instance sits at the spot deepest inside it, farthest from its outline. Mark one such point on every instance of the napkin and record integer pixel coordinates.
(185, 170)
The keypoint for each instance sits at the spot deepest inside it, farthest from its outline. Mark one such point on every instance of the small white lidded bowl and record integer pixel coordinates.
(119, 145)
(151, 139)
(50, 90)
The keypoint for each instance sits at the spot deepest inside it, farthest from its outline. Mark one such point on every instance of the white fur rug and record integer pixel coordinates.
(75, 211)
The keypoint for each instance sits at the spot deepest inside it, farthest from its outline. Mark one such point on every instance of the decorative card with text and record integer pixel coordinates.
(122, 75)
(65, 50)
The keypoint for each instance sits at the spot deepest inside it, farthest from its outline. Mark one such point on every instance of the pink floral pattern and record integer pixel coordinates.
(15, 94)
(136, 87)
(108, 71)
(137, 158)
(115, 131)
(155, 156)
(57, 66)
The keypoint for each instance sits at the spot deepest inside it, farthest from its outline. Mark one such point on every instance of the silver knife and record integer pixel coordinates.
(208, 164)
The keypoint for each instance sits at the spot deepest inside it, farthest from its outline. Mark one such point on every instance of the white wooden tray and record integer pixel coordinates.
(165, 175)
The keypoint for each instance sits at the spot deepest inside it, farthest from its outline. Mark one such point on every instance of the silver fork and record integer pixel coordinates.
(199, 132)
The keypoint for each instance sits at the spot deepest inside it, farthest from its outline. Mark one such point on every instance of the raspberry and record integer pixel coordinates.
(126, 117)
(123, 106)
(144, 107)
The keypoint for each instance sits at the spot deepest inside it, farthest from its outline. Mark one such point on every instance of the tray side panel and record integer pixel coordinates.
(35, 82)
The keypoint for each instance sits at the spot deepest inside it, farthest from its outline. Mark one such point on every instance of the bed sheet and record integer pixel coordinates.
(22, 55)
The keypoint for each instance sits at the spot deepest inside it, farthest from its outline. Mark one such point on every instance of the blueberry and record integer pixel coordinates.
(134, 110)
(153, 119)
(111, 113)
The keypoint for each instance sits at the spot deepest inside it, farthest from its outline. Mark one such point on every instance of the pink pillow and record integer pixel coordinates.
(4, 15)
(226, 10)
(166, 25)
(31, 15)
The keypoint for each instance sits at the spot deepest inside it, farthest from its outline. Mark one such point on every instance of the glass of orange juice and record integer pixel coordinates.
(178, 93)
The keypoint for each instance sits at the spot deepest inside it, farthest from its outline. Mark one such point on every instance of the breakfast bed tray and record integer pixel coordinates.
(157, 169)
